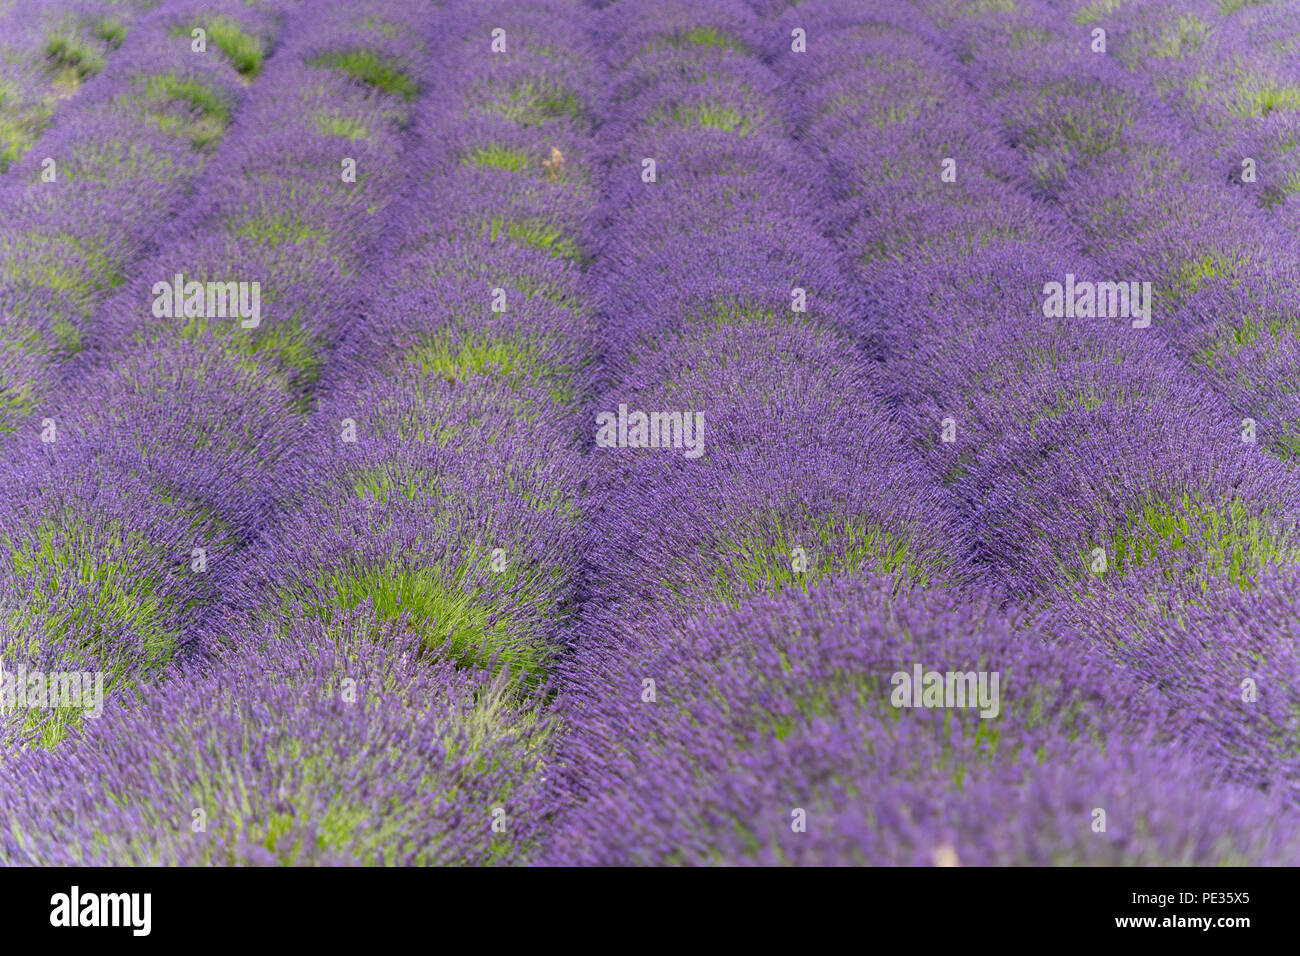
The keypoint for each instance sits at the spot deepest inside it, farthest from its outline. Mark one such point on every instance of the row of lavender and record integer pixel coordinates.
(1094, 474)
(725, 461)
(437, 533)
(98, 530)
(108, 519)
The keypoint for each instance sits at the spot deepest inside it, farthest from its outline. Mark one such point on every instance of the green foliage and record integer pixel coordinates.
(368, 67)
(534, 232)
(498, 157)
(110, 31)
(1218, 539)
(444, 605)
(67, 53)
(336, 124)
(186, 107)
(518, 360)
(535, 102)
(710, 38)
(245, 52)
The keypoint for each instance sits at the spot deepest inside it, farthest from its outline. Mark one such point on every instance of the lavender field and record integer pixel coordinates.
(653, 432)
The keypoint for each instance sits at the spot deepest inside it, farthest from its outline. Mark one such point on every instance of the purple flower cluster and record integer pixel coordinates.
(563, 433)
